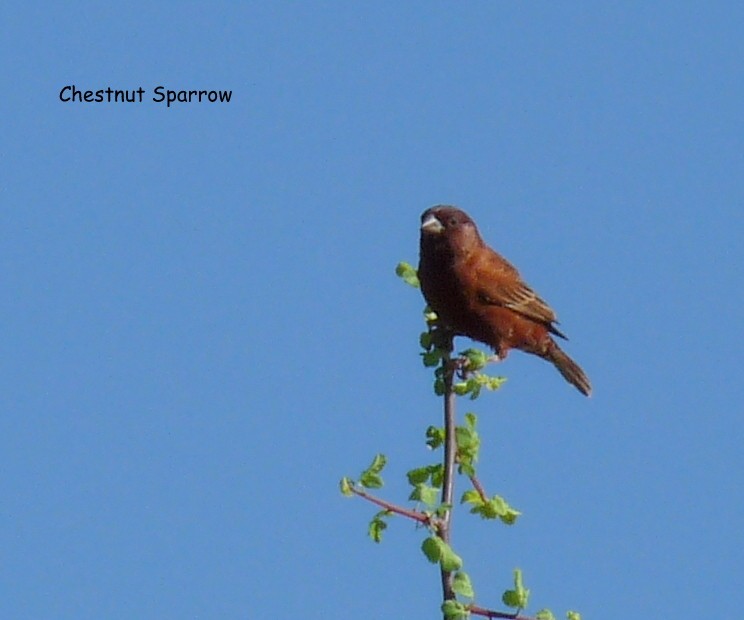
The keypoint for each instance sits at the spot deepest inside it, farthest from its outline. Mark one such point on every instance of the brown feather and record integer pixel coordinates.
(477, 293)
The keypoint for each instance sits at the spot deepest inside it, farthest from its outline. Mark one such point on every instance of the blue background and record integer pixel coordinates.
(202, 330)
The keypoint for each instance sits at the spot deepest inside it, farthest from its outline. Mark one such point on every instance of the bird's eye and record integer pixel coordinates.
(453, 221)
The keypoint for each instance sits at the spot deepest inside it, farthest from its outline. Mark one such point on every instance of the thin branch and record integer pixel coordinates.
(489, 613)
(450, 452)
(399, 510)
(479, 488)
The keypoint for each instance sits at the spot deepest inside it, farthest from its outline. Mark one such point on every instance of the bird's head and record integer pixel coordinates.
(450, 225)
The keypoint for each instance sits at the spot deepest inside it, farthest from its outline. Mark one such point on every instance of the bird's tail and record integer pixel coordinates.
(570, 370)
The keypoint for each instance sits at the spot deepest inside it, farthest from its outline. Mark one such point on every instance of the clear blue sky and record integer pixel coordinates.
(202, 330)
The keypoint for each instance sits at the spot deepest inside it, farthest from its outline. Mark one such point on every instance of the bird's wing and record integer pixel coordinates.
(509, 291)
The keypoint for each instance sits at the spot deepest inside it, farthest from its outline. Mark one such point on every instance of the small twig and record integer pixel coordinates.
(489, 613)
(422, 518)
(479, 488)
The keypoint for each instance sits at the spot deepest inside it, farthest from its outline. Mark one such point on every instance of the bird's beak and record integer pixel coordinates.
(432, 225)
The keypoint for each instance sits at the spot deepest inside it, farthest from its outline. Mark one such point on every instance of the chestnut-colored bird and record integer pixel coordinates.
(477, 293)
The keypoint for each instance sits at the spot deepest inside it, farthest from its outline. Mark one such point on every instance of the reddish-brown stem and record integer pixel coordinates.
(479, 488)
(399, 510)
(489, 613)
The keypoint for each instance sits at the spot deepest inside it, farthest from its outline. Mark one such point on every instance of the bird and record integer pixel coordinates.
(477, 293)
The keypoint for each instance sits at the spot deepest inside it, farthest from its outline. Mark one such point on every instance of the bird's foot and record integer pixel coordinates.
(442, 338)
(466, 365)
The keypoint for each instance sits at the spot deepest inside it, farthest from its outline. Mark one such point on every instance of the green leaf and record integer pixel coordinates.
(472, 386)
(424, 493)
(493, 383)
(425, 340)
(454, 610)
(471, 496)
(478, 381)
(461, 584)
(432, 548)
(471, 420)
(475, 386)
(408, 274)
(475, 382)
(346, 487)
(468, 445)
(418, 476)
(449, 561)
(421, 474)
(431, 358)
(437, 475)
(573, 615)
(442, 510)
(466, 469)
(434, 437)
(375, 530)
(378, 463)
(465, 438)
(370, 478)
(496, 507)
(519, 596)
(510, 516)
(511, 599)
(429, 495)
(518, 582)
(436, 550)
(544, 614)
(476, 359)
(377, 525)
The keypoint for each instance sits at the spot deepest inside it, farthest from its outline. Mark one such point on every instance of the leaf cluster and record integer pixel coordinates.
(426, 481)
